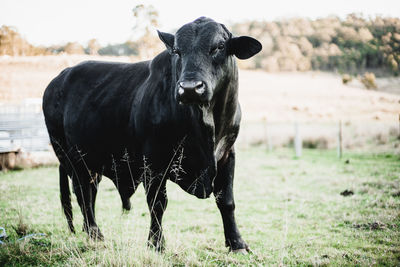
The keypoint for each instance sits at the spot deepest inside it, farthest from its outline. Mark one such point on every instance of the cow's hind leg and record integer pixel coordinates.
(125, 197)
(85, 188)
(156, 196)
(96, 179)
(223, 191)
(126, 188)
(65, 196)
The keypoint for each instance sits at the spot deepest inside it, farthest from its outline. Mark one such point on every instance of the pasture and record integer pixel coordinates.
(290, 211)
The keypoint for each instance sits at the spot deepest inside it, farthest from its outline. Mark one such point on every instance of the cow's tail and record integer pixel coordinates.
(65, 196)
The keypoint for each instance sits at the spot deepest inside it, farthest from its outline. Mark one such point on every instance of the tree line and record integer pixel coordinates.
(352, 45)
(13, 44)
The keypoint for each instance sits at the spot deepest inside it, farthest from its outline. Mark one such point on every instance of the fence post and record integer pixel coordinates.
(399, 126)
(267, 137)
(297, 140)
(339, 143)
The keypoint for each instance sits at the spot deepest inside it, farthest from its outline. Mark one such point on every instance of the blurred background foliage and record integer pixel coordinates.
(353, 45)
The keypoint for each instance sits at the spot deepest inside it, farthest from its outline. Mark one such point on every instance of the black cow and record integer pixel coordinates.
(175, 117)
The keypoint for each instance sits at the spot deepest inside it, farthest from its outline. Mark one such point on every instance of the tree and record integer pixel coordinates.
(12, 43)
(146, 22)
(93, 47)
(73, 48)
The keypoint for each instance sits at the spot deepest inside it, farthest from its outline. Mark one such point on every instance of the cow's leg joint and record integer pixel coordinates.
(226, 207)
(223, 192)
(157, 203)
(85, 192)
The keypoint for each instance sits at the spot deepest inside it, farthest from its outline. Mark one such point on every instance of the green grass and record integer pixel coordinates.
(289, 211)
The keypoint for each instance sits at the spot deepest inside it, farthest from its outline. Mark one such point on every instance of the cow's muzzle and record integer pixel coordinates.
(191, 92)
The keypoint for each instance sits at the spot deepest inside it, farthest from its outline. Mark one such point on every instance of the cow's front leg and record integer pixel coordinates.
(156, 195)
(223, 191)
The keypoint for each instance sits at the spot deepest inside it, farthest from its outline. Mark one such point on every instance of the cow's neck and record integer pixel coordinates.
(225, 101)
(220, 114)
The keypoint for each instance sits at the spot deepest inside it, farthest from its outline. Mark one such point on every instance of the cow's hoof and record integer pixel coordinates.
(125, 211)
(126, 205)
(95, 234)
(157, 245)
(240, 251)
(237, 246)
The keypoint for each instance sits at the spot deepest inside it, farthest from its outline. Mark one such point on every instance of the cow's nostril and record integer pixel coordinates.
(200, 89)
(198, 86)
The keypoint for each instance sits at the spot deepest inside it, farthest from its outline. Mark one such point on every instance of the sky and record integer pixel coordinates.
(47, 22)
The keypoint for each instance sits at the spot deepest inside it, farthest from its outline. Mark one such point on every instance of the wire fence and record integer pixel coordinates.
(23, 127)
(340, 135)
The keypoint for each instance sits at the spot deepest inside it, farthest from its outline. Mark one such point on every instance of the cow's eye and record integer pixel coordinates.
(217, 48)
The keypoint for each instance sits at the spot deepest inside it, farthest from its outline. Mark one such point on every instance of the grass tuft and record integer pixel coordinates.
(21, 228)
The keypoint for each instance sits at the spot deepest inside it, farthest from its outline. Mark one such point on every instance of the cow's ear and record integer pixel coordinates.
(244, 47)
(167, 38)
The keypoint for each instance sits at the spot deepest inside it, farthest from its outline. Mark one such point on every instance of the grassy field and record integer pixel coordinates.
(290, 211)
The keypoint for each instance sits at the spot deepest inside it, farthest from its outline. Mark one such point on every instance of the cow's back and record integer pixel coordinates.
(88, 106)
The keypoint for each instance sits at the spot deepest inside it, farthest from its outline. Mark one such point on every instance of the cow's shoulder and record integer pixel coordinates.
(154, 101)
(160, 65)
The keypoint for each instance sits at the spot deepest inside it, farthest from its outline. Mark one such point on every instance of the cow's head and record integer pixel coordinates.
(201, 54)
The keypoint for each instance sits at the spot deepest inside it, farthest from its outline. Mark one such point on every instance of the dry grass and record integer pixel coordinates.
(369, 80)
(27, 77)
(314, 96)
